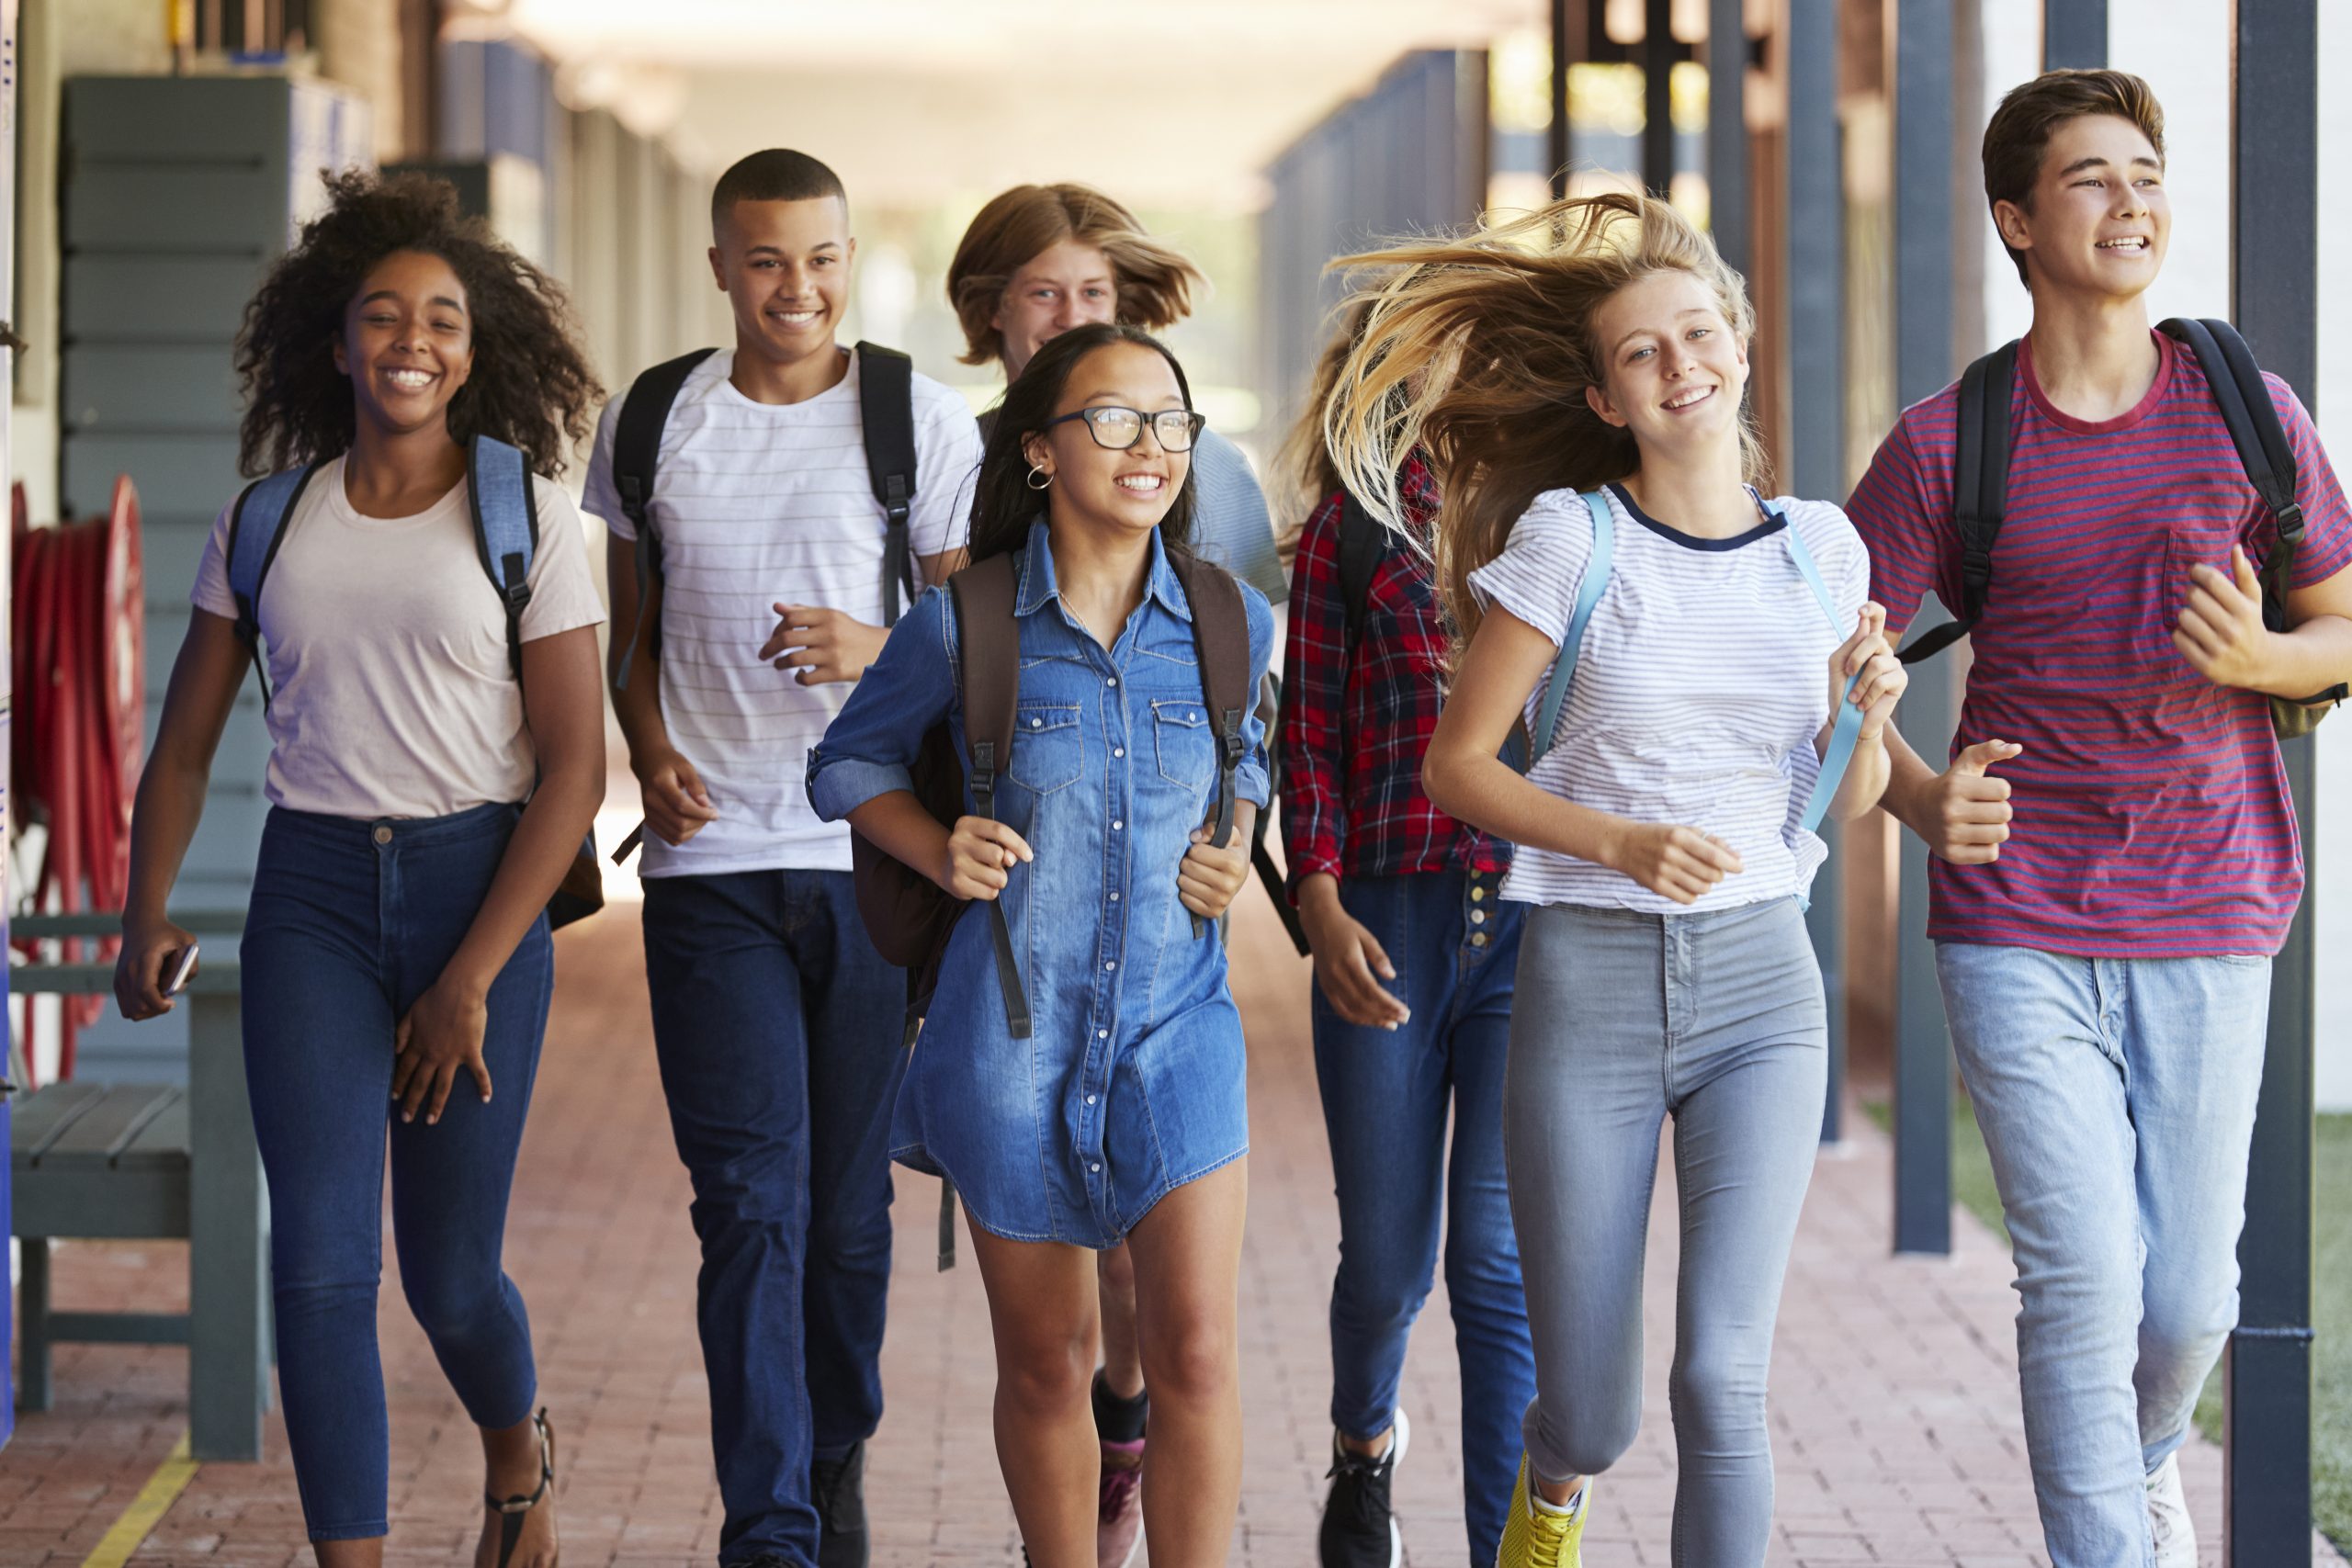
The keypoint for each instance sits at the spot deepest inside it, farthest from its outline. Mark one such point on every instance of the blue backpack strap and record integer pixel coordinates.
(1588, 591)
(506, 529)
(1848, 727)
(257, 527)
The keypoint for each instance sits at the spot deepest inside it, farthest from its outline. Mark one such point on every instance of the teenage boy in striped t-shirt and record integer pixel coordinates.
(776, 1021)
(2104, 935)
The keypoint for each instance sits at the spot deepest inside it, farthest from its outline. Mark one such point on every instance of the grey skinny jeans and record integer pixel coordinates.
(1622, 1019)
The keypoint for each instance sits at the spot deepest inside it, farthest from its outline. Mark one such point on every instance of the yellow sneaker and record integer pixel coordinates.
(1541, 1538)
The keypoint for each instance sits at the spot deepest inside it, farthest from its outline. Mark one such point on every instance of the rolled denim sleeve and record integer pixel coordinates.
(870, 749)
(1251, 780)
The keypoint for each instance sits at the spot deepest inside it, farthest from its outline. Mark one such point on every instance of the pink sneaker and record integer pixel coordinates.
(1118, 1528)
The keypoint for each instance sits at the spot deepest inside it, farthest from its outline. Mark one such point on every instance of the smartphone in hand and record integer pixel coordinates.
(181, 970)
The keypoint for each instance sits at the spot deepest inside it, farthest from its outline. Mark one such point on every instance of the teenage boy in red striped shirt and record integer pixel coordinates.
(2116, 855)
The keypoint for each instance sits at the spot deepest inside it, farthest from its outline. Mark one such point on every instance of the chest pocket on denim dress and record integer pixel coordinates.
(1187, 746)
(1046, 753)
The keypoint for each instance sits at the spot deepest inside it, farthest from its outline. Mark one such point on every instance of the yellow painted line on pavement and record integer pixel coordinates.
(146, 1510)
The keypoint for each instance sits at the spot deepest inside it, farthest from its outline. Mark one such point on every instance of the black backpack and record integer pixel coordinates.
(1981, 483)
(885, 414)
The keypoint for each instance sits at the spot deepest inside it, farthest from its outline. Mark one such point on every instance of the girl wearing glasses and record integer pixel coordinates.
(1121, 1117)
(1575, 378)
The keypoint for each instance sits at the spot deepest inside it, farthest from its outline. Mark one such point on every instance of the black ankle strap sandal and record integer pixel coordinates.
(511, 1510)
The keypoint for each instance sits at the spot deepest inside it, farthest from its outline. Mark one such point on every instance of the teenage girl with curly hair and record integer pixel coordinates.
(1576, 380)
(425, 806)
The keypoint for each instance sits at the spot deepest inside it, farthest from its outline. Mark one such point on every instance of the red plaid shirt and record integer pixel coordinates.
(1355, 730)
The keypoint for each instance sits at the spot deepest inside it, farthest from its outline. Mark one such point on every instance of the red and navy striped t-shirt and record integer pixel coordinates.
(2151, 814)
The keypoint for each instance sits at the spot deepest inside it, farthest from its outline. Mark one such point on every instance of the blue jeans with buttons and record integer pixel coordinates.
(1387, 1095)
(351, 922)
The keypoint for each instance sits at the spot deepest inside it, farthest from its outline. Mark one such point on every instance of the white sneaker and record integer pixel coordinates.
(2168, 1519)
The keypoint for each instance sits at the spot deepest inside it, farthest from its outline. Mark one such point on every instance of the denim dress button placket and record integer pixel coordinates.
(1095, 1079)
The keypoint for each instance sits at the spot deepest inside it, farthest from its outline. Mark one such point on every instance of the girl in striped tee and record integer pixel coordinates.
(1681, 650)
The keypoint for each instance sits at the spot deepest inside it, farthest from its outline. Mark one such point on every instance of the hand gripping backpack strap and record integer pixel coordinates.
(257, 528)
(2268, 458)
(1221, 642)
(1980, 479)
(1847, 729)
(1588, 592)
(886, 408)
(636, 454)
(988, 639)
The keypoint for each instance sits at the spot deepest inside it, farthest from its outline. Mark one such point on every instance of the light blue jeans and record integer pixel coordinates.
(2117, 1100)
(1622, 1019)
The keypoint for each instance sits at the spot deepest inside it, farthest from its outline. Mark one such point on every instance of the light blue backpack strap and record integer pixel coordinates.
(506, 530)
(255, 527)
(1588, 591)
(1848, 728)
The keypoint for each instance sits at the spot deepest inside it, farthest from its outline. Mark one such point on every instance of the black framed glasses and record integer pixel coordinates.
(1117, 430)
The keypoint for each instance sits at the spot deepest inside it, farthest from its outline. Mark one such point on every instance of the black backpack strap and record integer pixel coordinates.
(1362, 543)
(1980, 485)
(636, 454)
(2264, 451)
(1221, 642)
(987, 638)
(2252, 419)
(886, 408)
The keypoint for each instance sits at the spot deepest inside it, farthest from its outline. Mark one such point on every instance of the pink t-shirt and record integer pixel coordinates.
(2151, 814)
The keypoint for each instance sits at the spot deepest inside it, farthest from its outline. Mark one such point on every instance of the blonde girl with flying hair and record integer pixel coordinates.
(1699, 677)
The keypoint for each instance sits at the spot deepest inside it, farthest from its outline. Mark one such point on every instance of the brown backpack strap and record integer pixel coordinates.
(988, 642)
(1221, 641)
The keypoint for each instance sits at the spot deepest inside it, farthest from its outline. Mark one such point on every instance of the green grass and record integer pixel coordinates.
(1972, 1173)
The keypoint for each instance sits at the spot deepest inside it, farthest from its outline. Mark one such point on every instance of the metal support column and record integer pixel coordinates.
(1657, 96)
(1727, 132)
(1817, 359)
(1922, 42)
(2074, 33)
(1568, 17)
(2274, 291)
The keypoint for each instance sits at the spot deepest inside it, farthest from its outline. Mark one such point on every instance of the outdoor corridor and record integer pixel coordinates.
(1895, 1399)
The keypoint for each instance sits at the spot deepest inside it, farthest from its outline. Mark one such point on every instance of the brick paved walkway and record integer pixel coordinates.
(1894, 1403)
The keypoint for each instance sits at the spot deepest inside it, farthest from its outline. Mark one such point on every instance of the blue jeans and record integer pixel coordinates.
(2116, 1099)
(350, 922)
(1386, 1099)
(777, 1027)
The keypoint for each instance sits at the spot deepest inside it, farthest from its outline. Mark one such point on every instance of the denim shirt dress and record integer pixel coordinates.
(1132, 1081)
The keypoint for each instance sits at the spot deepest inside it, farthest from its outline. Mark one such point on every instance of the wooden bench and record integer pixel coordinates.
(111, 1160)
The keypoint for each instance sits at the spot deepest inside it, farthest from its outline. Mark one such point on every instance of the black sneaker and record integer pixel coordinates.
(1358, 1527)
(839, 1486)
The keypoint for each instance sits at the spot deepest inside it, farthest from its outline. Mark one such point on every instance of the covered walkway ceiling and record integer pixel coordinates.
(923, 103)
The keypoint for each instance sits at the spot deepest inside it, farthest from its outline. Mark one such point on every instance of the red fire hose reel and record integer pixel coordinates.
(78, 647)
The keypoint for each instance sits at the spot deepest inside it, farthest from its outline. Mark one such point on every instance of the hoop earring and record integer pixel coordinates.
(1032, 482)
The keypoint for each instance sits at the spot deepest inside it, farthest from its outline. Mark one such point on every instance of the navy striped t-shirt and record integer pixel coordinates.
(2151, 814)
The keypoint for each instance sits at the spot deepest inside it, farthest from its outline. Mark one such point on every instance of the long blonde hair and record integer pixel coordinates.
(1479, 351)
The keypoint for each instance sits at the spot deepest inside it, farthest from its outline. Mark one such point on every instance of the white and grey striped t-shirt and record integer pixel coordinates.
(758, 504)
(1701, 680)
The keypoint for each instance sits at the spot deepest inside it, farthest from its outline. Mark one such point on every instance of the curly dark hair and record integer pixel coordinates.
(1002, 504)
(531, 386)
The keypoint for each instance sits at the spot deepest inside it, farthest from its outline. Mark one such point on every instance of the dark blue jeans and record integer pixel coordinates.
(1386, 1096)
(351, 922)
(777, 1026)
